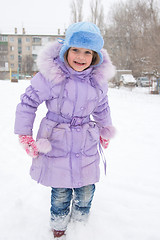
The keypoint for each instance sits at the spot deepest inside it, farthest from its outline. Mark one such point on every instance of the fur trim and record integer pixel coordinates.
(51, 70)
(47, 65)
(43, 145)
(106, 70)
(108, 132)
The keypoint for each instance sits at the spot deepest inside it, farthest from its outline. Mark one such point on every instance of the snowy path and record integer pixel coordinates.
(127, 202)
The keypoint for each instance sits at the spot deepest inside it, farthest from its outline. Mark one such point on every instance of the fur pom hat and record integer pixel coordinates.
(83, 35)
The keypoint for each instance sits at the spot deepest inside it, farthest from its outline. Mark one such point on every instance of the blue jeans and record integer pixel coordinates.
(69, 203)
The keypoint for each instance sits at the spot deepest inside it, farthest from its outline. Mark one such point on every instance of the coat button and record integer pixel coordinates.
(78, 129)
(77, 155)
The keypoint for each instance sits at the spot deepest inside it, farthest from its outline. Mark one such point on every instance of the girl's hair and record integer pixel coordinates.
(95, 58)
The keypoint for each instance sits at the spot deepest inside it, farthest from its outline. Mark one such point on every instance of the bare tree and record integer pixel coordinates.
(97, 14)
(132, 38)
(76, 11)
(96, 9)
(27, 64)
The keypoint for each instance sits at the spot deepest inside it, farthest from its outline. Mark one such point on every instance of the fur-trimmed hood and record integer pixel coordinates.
(50, 66)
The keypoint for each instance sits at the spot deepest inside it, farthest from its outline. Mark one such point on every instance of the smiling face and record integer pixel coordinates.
(79, 58)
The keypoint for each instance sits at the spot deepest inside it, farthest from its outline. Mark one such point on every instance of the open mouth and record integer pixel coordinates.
(79, 63)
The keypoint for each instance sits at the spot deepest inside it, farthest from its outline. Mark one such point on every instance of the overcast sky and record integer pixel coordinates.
(40, 17)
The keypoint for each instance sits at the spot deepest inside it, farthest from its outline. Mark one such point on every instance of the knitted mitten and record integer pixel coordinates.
(29, 145)
(104, 142)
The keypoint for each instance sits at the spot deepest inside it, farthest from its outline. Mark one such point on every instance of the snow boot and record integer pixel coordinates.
(59, 235)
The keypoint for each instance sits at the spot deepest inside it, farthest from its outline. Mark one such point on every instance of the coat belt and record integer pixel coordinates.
(75, 121)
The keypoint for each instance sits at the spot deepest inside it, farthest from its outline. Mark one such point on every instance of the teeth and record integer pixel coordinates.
(79, 63)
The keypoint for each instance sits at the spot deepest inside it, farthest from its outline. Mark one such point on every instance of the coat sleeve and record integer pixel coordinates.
(35, 94)
(102, 116)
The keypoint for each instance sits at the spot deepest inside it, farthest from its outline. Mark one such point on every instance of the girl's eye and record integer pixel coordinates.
(74, 49)
(88, 52)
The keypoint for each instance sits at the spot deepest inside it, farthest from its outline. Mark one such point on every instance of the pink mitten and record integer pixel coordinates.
(29, 145)
(104, 142)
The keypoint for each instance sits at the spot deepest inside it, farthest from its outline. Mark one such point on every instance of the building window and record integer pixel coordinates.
(19, 66)
(12, 57)
(50, 39)
(19, 40)
(3, 48)
(34, 56)
(19, 58)
(28, 48)
(19, 50)
(3, 38)
(3, 57)
(27, 39)
(2, 64)
(11, 48)
(11, 39)
(36, 40)
(12, 65)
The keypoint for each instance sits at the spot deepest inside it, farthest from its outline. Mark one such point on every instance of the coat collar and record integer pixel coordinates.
(54, 70)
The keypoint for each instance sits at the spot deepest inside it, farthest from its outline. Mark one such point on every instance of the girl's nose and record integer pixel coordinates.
(81, 56)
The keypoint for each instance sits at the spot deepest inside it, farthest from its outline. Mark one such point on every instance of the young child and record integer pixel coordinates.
(72, 80)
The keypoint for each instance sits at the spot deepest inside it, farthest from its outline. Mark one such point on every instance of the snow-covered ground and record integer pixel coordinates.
(126, 205)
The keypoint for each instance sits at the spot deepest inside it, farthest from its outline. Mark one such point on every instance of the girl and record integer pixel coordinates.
(72, 80)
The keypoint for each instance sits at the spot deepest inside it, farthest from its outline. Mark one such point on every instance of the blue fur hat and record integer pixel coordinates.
(83, 35)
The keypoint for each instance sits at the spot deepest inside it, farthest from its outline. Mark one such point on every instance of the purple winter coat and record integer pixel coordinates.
(71, 99)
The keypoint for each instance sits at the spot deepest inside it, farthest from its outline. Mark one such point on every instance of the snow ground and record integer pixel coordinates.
(126, 205)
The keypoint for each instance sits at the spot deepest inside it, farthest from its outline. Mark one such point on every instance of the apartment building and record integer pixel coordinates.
(18, 51)
(3, 56)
